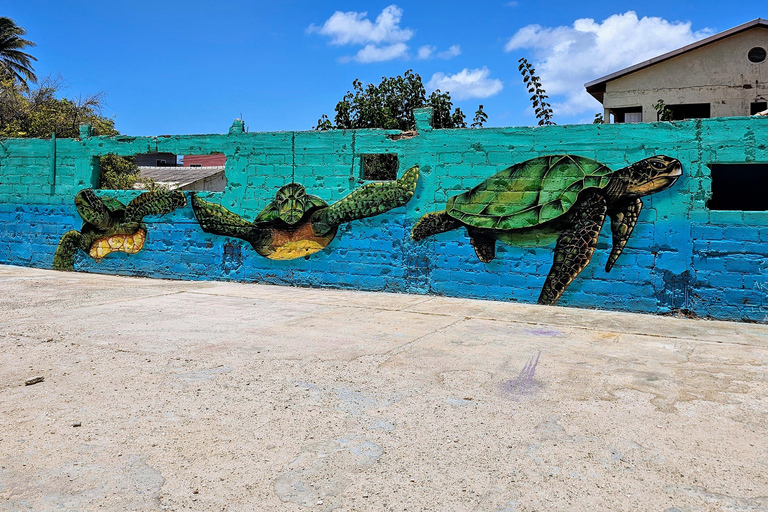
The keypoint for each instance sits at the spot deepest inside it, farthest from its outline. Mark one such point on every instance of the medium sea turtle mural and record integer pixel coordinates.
(560, 195)
(110, 226)
(296, 224)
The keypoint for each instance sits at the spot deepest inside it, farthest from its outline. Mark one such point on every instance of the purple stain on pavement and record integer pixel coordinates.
(543, 332)
(523, 384)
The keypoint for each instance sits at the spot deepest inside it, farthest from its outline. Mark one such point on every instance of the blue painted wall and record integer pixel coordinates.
(682, 256)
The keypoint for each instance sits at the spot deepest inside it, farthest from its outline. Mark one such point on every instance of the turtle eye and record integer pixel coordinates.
(658, 165)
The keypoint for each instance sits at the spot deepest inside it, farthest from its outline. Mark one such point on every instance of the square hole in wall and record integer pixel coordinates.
(379, 167)
(740, 187)
(163, 170)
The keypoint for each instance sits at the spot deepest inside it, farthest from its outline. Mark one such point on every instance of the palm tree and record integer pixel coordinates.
(14, 63)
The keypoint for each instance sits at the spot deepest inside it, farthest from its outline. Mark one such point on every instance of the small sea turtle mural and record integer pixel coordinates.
(295, 224)
(110, 226)
(561, 196)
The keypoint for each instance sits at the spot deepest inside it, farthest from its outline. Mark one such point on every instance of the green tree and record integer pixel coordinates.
(14, 63)
(37, 112)
(480, 118)
(118, 172)
(539, 97)
(390, 105)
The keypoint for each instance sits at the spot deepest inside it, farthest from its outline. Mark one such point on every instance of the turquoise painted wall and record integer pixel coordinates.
(681, 256)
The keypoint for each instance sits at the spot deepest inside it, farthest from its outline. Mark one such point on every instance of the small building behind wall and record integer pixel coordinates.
(721, 76)
(197, 179)
(156, 160)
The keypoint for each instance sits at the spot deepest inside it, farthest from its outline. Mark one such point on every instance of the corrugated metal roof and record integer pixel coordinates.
(597, 87)
(178, 177)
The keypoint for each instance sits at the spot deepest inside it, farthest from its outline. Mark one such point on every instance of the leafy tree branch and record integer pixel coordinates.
(541, 106)
(390, 105)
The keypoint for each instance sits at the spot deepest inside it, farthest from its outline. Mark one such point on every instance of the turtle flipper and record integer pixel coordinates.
(92, 209)
(156, 202)
(433, 224)
(575, 246)
(367, 201)
(64, 258)
(485, 246)
(623, 219)
(217, 220)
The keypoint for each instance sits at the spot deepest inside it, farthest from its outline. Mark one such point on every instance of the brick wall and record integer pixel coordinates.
(681, 256)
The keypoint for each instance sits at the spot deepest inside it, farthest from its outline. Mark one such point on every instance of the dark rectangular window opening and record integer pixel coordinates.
(740, 187)
(757, 107)
(627, 115)
(379, 167)
(689, 111)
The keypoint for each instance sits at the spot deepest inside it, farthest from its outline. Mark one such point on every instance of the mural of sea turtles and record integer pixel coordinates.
(110, 226)
(560, 195)
(296, 224)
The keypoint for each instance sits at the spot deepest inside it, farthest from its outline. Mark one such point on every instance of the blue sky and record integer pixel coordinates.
(172, 67)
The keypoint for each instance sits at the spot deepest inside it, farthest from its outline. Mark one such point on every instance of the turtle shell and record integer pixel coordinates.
(529, 193)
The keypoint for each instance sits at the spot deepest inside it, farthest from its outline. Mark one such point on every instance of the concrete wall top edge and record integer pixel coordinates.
(162, 140)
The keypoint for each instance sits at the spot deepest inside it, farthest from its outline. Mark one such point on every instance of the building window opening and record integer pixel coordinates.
(756, 54)
(627, 115)
(689, 111)
(379, 167)
(739, 187)
(757, 107)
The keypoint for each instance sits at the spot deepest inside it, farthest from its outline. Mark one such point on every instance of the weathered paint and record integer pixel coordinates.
(681, 255)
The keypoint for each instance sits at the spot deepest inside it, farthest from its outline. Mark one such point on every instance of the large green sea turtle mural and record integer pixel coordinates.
(296, 224)
(561, 196)
(110, 226)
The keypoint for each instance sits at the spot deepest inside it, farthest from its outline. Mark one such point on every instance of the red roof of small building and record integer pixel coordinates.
(204, 160)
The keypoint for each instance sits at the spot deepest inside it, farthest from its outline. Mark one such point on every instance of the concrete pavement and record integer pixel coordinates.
(173, 395)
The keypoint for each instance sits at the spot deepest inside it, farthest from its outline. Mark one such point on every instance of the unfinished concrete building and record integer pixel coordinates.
(723, 75)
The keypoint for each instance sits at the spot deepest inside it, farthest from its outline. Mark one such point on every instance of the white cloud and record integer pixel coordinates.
(450, 53)
(355, 28)
(372, 53)
(427, 51)
(513, 4)
(468, 83)
(567, 57)
(381, 40)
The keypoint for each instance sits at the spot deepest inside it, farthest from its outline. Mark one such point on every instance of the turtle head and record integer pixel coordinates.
(291, 203)
(650, 175)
